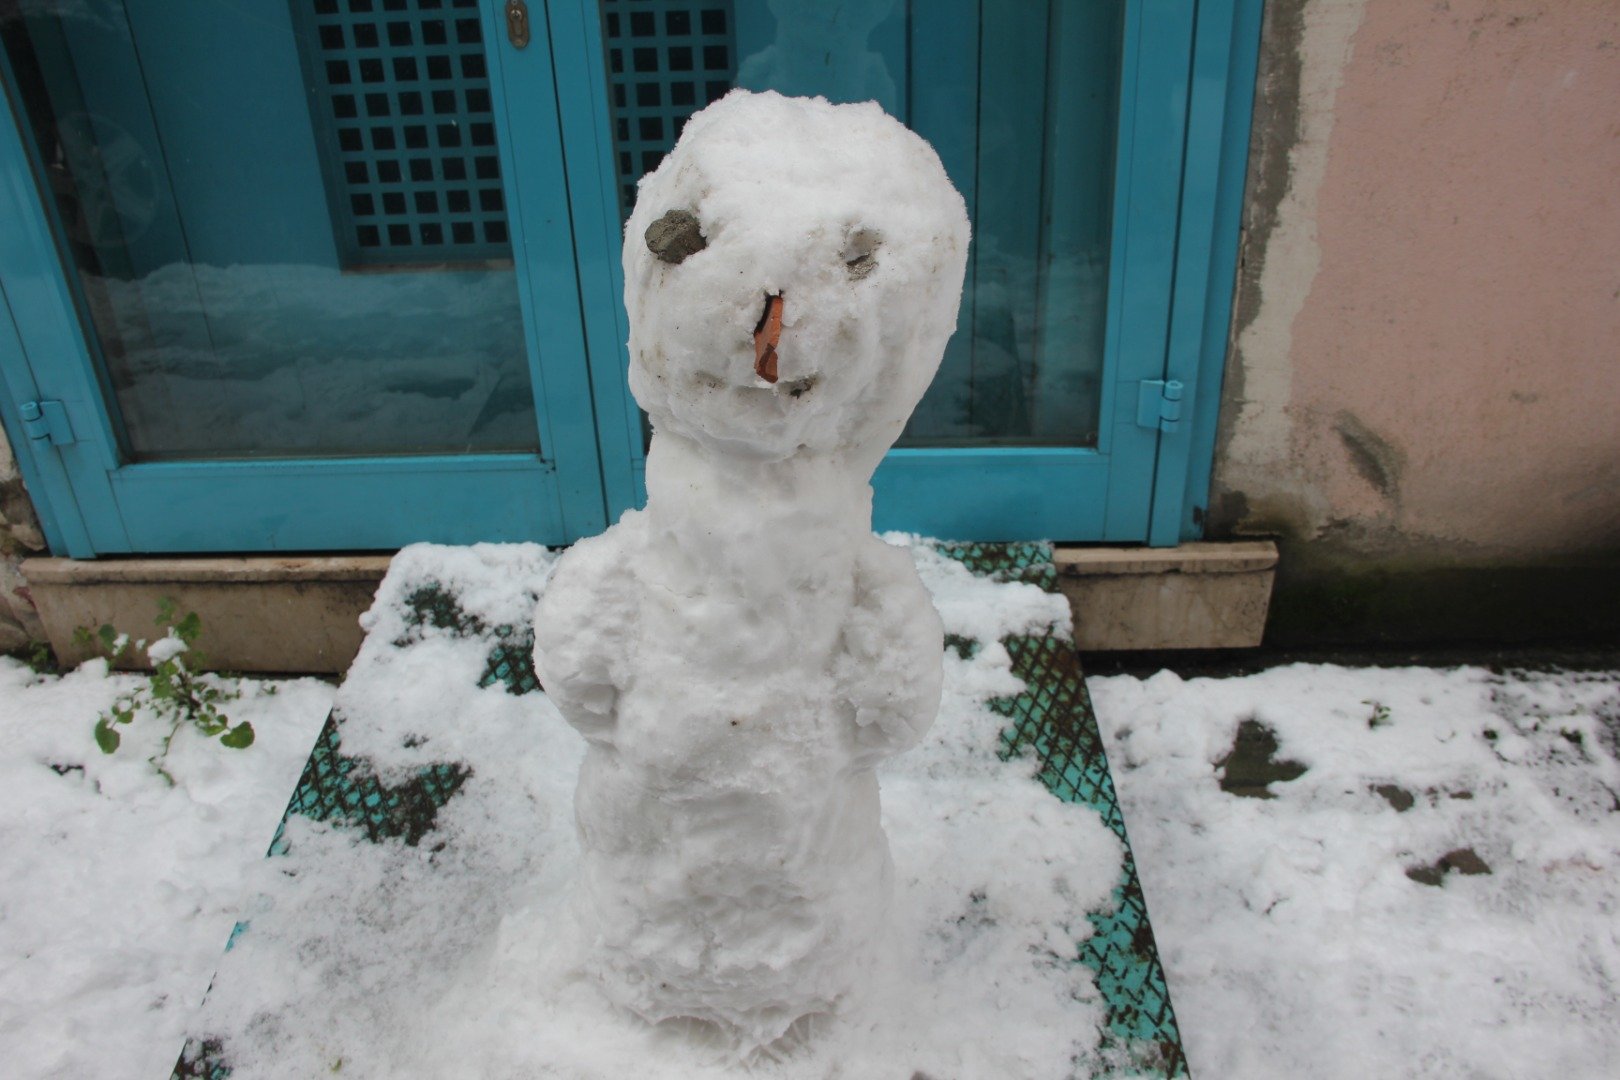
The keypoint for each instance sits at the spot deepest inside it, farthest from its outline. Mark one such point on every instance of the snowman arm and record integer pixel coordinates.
(581, 636)
(891, 669)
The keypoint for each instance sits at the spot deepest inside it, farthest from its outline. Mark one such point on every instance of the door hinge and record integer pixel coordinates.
(47, 421)
(1158, 404)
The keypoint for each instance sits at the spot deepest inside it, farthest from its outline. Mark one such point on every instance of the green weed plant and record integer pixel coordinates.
(173, 693)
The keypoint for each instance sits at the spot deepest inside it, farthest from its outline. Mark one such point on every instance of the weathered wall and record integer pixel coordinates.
(19, 537)
(1421, 393)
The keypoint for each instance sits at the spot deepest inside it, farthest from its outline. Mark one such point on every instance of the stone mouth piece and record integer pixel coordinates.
(767, 334)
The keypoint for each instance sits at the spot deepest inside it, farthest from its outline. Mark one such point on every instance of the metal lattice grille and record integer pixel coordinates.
(666, 60)
(1053, 720)
(344, 790)
(401, 104)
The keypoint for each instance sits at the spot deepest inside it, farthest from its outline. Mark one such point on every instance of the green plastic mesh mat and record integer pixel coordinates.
(1052, 720)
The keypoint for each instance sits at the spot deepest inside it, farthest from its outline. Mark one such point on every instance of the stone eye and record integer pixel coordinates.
(675, 236)
(860, 253)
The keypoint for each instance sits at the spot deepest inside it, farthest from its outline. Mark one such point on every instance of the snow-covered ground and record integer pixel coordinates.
(1296, 942)
(1348, 927)
(117, 891)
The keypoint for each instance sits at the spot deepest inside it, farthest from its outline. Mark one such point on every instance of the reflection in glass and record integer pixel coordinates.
(286, 222)
(1019, 99)
(822, 49)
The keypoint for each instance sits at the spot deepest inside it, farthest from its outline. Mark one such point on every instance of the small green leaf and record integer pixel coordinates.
(165, 613)
(106, 737)
(189, 627)
(107, 634)
(239, 737)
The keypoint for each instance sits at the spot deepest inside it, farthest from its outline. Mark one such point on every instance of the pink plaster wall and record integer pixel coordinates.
(1453, 371)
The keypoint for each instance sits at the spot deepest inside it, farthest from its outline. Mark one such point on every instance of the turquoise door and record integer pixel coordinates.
(288, 277)
(1099, 145)
(343, 274)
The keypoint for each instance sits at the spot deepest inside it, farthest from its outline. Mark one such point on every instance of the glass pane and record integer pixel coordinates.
(1020, 99)
(287, 222)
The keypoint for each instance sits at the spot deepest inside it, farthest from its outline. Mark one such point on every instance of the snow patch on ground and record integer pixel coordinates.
(1294, 940)
(117, 891)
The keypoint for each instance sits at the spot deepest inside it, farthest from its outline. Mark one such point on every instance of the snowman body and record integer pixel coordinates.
(741, 654)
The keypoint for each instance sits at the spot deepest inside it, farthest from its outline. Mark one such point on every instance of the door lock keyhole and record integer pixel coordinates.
(517, 23)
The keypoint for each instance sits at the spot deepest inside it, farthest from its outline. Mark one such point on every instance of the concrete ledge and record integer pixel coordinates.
(301, 614)
(1196, 596)
(278, 614)
(211, 569)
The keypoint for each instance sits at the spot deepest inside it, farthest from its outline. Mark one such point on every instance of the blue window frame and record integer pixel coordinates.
(109, 482)
(1185, 79)
(1185, 88)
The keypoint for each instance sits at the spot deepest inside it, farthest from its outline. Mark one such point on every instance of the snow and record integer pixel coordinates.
(466, 955)
(1295, 943)
(117, 891)
(166, 648)
(742, 654)
(786, 190)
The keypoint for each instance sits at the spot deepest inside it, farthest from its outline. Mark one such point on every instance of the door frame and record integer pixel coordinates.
(1225, 65)
(1187, 77)
(93, 502)
(1175, 249)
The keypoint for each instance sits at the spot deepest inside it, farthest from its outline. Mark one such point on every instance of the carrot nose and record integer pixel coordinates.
(766, 336)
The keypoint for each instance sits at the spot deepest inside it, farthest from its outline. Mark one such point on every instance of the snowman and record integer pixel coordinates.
(742, 654)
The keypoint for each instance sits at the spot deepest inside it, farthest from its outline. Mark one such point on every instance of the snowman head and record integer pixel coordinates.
(792, 273)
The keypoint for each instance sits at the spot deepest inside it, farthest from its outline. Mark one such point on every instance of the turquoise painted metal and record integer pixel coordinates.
(543, 243)
(1153, 99)
(99, 501)
(48, 361)
(1227, 54)
(302, 504)
(400, 101)
(1184, 101)
(1112, 491)
(41, 466)
(1052, 720)
(598, 238)
(255, 309)
(1104, 493)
